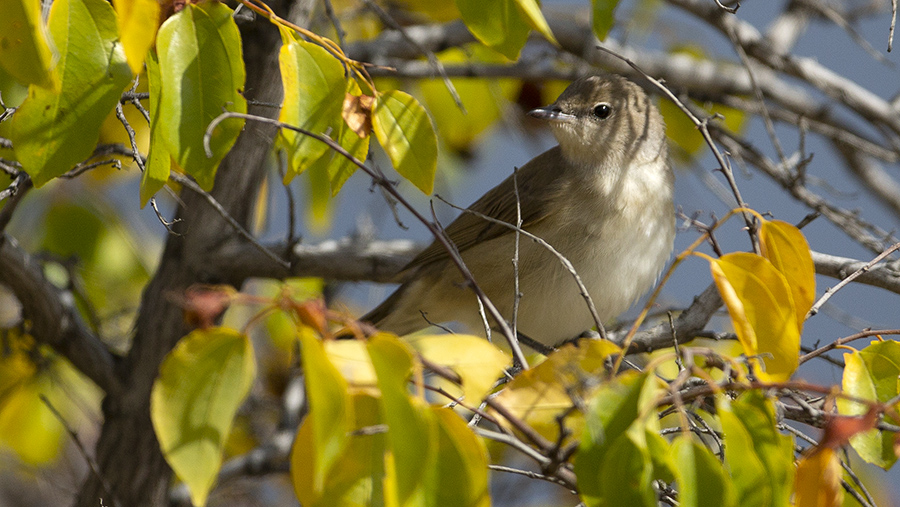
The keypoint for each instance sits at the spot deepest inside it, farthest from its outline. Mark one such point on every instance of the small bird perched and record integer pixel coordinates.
(602, 198)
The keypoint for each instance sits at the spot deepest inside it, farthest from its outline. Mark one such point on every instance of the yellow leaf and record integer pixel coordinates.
(478, 362)
(759, 302)
(138, 22)
(201, 384)
(412, 434)
(787, 249)
(462, 463)
(351, 359)
(532, 13)
(542, 393)
(358, 477)
(405, 132)
(818, 480)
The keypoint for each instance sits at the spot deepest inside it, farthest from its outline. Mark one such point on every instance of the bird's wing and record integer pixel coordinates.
(500, 203)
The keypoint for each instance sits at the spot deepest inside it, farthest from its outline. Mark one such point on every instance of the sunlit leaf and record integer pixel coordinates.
(603, 17)
(541, 394)
(351, 358)
(405, 132)
(818, 480)
(330, 407)
(412, 436)
(787, 249)
(758, 456)
(159, 160)
(701, 478)
(478, 362)
(871, 374)
(531, 11)
(51, 132)
(202, 73)
(138, 21)
(25, 51)
(498, 24)
(612, 410)
(314, 90)
(462, 463)
(201, 384)
(759, 302)
(357, 478)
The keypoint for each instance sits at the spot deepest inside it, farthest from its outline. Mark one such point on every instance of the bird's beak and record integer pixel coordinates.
(552, 113)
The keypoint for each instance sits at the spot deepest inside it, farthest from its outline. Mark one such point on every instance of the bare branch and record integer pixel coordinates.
(54, 318)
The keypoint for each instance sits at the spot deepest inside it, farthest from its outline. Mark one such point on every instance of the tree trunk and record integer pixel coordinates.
(132, 471)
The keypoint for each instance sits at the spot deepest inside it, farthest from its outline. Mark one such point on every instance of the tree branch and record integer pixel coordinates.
(53, 317)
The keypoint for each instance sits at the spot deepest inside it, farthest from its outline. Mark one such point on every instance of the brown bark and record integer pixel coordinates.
(132, 469)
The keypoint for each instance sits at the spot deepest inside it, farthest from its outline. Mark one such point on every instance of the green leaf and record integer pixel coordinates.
(603, 17)
(412, 436)
(405, 131)
(202, 74)
(498, 24)
(701, 478)
(159, 160)
(871, 374)
(330, 408)
(51, 132)
(314, 88)
(786, 247)
(138, 21)
(612, 410)
(626, 475)
(761, 307)
(758, 456)
(25, 51)
(201, 384)
(462, 464)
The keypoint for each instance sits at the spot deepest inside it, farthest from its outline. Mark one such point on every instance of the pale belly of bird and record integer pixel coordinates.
(616, 272)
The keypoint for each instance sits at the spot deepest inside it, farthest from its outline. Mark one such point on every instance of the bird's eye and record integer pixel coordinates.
(602, 110)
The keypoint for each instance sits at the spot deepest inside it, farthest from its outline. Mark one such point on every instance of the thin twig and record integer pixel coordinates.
(847, 339)
(831, 290)
(92, 464)
(432, 60)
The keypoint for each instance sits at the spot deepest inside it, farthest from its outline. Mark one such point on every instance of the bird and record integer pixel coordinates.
(603, 197)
